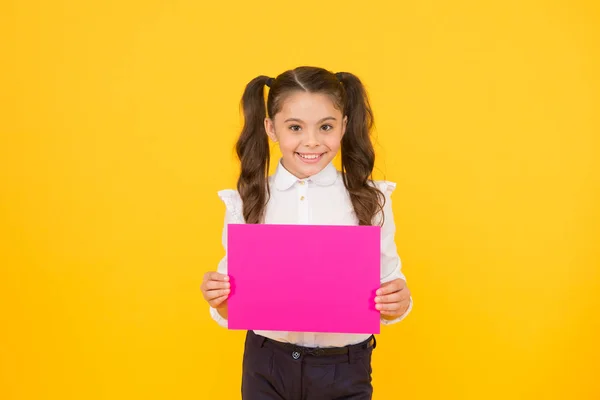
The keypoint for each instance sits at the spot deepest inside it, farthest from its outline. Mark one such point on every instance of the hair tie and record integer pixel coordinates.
(339, 76)
(269, 82)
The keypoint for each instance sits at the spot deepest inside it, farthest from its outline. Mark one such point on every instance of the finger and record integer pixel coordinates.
(390, 287)
(393, 307)
(390, 298)
(388, 306)
(403, 307)
(215, 276)
(212, 285)
(214, 303)
(210, 295)
(402, 295)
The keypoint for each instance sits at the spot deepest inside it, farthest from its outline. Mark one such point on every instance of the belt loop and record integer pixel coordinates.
(374, 342)
(351, 355)
(262, 341)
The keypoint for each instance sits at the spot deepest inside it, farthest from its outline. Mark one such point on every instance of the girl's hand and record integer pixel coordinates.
(393, 298)
(215, 288)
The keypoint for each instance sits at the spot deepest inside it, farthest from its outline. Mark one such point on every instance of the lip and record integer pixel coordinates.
(311, 161)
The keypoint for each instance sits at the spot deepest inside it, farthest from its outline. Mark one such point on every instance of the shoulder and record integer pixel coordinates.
(228, 195)
(386, 214)
(386, 187)
(233, 204)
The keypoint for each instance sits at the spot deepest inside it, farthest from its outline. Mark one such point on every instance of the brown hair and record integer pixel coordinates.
(358, 155)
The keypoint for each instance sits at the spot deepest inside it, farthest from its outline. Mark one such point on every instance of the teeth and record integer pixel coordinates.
(309, 156)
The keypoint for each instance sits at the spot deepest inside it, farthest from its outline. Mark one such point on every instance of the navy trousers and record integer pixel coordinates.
(282, 371)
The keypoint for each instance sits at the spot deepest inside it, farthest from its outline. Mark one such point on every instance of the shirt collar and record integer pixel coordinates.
(284, 179)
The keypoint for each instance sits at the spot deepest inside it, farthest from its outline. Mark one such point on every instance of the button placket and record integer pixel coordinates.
(302, 202)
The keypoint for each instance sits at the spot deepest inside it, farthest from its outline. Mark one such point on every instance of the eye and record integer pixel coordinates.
(295, 128)
(327, 127)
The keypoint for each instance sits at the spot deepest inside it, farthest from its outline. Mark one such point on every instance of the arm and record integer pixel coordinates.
(219, 313)
(394, 299)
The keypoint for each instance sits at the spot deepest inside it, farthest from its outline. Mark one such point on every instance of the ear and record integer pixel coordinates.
(270, 129)
(344, 124)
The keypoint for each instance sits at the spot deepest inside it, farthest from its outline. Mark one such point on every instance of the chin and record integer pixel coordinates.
(312, 169)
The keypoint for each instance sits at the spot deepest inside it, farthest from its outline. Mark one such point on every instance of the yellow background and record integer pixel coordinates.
(117, 126)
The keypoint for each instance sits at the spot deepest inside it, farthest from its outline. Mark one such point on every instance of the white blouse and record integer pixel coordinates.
(319, 200)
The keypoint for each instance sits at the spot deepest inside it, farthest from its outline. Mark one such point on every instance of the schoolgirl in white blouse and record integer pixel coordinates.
(312, 114)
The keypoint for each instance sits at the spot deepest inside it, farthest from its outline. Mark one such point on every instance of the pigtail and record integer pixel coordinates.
(252, 149)
(358, 155)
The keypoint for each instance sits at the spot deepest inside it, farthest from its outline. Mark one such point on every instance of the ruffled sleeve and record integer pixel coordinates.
(233, 206)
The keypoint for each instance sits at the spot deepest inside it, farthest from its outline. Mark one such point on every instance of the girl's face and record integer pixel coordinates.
(309, 131)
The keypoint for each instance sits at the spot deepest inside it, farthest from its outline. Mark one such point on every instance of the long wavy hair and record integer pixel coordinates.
(358, 156)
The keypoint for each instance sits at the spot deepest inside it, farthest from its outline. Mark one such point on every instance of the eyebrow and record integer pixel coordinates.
(321, 120)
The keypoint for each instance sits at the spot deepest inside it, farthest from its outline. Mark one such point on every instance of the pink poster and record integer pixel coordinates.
(303, 278)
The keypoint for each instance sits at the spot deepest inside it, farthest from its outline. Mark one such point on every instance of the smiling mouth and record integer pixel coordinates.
(309, 158)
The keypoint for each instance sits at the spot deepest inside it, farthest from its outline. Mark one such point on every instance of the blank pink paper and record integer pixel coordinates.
(303, 278)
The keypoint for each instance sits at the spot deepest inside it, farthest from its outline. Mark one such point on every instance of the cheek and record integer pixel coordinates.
(334, 142)
(288, 143)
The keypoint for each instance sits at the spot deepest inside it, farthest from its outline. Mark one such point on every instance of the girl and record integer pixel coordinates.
(312, 114)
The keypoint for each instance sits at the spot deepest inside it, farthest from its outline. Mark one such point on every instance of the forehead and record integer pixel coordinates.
(309, 107)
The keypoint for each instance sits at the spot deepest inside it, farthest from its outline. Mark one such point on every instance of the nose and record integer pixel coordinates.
(312, 139)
